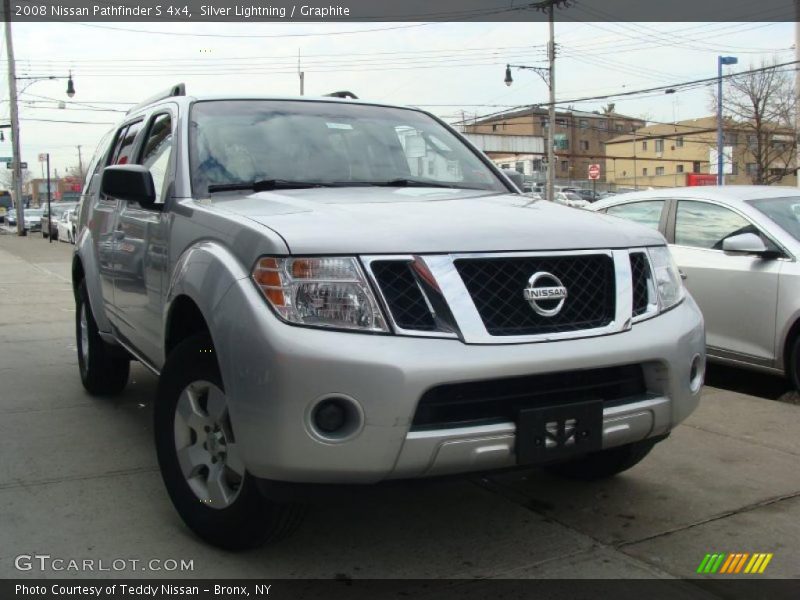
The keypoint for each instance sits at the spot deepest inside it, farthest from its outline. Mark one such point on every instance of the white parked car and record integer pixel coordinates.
(570, 199)
(737, 248)
(64, 225)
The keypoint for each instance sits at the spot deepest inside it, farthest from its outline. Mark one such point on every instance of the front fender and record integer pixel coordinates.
(204, 273)
(84, 252)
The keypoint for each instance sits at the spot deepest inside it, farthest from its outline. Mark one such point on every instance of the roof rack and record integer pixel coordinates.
(343, 94)
(175, 90)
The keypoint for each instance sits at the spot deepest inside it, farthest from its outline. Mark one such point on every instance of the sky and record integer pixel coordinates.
(454, 70)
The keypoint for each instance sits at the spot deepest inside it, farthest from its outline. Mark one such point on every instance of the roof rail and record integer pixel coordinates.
(343, 94)
(175, 90)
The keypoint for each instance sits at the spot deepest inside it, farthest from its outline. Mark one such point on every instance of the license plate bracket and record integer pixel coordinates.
(552, 433)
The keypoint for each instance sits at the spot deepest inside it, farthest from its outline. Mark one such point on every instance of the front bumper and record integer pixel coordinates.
(274, 373)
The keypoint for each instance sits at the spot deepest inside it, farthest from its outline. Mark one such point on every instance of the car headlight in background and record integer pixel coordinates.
(320, 292)
(669, 285)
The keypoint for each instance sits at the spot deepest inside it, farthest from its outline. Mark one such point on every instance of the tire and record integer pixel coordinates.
(603, 464)
(793, 368)
(208, 485)
(104, 370)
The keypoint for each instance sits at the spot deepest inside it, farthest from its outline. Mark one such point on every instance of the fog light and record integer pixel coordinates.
(330, 416)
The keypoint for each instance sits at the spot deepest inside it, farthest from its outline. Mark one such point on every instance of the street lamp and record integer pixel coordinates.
(547, 76)
(721, 60)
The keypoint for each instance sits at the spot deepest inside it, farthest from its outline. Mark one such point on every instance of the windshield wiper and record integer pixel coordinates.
(411, 183)
(264, 185)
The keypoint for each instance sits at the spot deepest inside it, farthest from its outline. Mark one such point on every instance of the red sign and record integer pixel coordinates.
(594, 171)
(693, 179)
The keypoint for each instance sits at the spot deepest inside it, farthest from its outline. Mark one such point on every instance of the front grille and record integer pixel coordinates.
(497, 289)
(640, 270)
(403, 296)
(499, 400)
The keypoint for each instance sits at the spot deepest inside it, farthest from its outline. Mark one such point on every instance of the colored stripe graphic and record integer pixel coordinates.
(734, 563)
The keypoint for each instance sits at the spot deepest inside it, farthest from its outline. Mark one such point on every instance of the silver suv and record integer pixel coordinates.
(337, 292)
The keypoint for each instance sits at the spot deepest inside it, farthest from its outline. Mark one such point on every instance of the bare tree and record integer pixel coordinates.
(760, 105)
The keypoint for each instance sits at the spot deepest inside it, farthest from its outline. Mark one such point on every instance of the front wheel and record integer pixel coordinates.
(200, 458)
(603, 464)
(104, 370)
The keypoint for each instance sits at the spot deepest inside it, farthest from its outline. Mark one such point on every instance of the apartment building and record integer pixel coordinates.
(664, 154)
(579, 137)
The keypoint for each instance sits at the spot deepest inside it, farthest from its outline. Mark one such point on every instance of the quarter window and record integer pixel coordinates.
(705, 225)
(646, 213)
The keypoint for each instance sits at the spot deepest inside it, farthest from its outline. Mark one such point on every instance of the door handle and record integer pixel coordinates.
(684, 276)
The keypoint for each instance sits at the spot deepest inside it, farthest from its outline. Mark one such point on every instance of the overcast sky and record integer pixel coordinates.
(446, 68)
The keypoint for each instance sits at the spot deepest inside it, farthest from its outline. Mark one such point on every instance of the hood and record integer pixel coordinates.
(375, 220)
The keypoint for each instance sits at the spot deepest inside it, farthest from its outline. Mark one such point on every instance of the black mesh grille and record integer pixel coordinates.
(640, 269)
(497, 287)
(403, 295)
(499, 400)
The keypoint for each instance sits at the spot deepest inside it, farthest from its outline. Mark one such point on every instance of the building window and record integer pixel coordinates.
(560, 141)
(679, 168)
(679, 144)
(584, 144)
(752, 141)
(544, 122)
(560, 122)
(696, 166)
(659, 170)
(519, 167)
(644, 171)
(505, 166)
(537, 165)
(583, 124)
(564, 165)
(504, 125)
(644, 145)
(730, 139)
(618, 127)
(659, 145)
(494, 127)
(751, 169)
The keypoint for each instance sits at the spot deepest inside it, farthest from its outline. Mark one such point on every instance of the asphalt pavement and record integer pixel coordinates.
(78, 480)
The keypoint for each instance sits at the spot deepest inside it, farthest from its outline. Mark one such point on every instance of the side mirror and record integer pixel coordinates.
(515, 176)
(744, 243)
(132, 183)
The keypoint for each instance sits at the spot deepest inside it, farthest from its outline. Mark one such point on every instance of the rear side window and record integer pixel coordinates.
(645, 213)
(123, 149)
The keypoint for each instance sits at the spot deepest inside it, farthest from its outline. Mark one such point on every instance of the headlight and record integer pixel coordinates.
(667, 277)
(320, 292)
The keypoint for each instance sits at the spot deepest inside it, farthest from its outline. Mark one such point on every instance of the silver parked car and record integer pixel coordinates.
(737, 247)
(338, 292)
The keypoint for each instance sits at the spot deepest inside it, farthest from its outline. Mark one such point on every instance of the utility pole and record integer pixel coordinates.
(551, 113)
(16, 171)
(80, 164)
(301, 74)
(797, 93)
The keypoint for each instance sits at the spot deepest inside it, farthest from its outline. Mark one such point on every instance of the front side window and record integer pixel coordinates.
(156, 151)
(705, 225)
(327, 143)
(123, 148)
(645, 213)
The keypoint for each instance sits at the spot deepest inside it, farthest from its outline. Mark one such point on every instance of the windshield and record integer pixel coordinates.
(785, 212)
(34, 212)
(326, 143)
